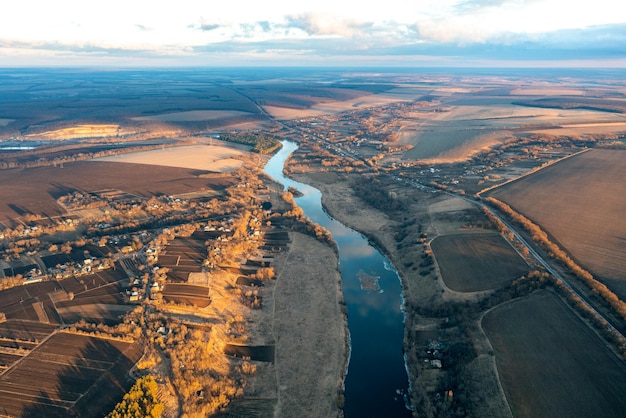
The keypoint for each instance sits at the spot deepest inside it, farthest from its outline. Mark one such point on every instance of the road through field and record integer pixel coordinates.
(548, 267)
(610, 326)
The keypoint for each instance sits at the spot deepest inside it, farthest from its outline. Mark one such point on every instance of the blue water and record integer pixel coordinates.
(376, 381)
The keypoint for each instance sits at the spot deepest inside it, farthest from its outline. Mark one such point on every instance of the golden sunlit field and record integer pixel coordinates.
(78, 131)
(214, 158)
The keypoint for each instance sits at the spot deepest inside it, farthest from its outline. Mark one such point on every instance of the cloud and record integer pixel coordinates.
(476, 5)
(321, 24)
(205, 25)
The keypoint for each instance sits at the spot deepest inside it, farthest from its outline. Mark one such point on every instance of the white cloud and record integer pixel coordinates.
(192, 27)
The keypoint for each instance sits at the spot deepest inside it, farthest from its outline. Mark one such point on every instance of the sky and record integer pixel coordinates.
(394, 33)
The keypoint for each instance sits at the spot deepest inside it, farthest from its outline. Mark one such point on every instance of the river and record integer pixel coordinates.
(376, 380)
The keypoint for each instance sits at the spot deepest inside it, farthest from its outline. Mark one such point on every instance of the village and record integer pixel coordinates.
(122, 265)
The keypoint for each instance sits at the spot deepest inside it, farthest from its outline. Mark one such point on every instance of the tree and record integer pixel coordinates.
(140, 401)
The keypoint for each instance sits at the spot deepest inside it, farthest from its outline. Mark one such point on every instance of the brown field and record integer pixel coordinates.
(473, 123)
(25, 331)
(95, 312)
(581, 203)
(35, 190)
(30, 302)
(183, 256)
(475, 262)
(59, 377)
(187, 294)
(199, 157)
(551, 364)
(286, 112)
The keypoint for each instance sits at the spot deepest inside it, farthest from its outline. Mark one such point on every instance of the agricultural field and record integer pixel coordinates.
(183, 256)
(30, 302)
(135, 100)
(551, 364)
(581, 203)
(59, 377)
(35, 190)
(476, 123)
(212, 158)
(188, 294)
(475, 262)
(18, 338)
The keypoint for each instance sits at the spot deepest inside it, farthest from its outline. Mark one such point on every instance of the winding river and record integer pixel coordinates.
(376, 380)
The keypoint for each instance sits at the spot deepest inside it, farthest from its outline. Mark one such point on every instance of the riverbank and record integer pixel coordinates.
(310, 330)
(404, 238)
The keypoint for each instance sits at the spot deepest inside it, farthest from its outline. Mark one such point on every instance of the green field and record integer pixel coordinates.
(551, 364)
(475, 262)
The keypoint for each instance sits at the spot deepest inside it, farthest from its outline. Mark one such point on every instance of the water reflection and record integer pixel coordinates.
(376, 378)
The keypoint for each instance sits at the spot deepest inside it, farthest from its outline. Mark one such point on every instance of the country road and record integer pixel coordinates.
(546, 265)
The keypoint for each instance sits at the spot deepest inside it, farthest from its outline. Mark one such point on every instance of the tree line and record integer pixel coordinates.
(541, 237)
(262, 144)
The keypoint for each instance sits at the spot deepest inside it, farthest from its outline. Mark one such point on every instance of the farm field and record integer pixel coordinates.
(581, 203)
(475, 262)
(30, 302)
(188, 294)
(183, 256)
(551, 364)
(73, 99)
(199, 157)
(25, 331)
(472, 123)
(287, 111)
(66, 368)
(35, 190)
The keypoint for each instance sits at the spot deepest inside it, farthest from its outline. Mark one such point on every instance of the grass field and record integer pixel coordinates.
(474, 262)
(580, 202)
(551, 364)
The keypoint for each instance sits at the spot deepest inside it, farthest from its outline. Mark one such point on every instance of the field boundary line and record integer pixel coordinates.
(4, 372)
(531, 172)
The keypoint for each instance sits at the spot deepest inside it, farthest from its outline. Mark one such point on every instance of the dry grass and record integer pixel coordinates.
(199, 157)
(309, 328)
(78, 131)
(449, 204)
